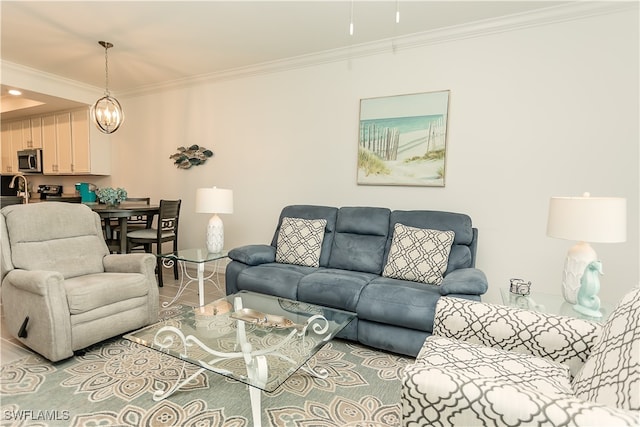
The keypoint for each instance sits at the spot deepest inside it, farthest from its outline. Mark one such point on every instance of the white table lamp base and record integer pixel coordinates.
(578, 257)
(215, 234)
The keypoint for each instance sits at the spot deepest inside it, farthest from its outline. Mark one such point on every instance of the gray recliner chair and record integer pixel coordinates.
(61, 289)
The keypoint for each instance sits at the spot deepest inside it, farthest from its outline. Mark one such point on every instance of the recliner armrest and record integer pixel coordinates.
(41, 296)
(37, 282)
(469, 281)
(254, 254)
(130, 263)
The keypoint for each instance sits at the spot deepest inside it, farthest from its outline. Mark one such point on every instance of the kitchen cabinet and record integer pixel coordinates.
(57, 157)
(35, 125)
(19, 135)
(8, 157)
(26, 134)
(49, 145)
(71, 145)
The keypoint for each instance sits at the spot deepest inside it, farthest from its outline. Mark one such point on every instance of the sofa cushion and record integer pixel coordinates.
(334, 288)
(561, 339)
(457, 383)
(273, 279)
(360, 239)
(488, 362)
(399, 302)
(610, 375)
(300, 241)
(459, 257)
(91, 291)
(419, 255)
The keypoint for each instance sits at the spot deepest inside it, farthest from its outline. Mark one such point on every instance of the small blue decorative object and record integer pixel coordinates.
(588, 301)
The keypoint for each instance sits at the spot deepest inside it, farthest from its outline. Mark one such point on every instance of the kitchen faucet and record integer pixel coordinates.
(12, 184)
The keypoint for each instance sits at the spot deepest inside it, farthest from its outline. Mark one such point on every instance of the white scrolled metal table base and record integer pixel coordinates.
(255, 360)
(186, 279)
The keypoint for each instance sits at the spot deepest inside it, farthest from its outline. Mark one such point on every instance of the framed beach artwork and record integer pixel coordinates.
(403, 140)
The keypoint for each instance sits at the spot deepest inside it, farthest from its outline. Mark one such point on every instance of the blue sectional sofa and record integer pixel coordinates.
(355, 251)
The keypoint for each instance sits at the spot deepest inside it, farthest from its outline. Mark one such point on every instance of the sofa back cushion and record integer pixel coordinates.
(311, 212)
(360, 239)
(611, 374)
(54, 236)
(462, 254)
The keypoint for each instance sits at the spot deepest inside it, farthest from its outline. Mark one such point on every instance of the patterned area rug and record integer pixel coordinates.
(112, 384)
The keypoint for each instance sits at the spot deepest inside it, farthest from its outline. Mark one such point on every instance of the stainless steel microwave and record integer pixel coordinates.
(30, 161)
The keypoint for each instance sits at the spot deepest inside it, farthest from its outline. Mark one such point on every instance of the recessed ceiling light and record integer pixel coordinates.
(15, 92)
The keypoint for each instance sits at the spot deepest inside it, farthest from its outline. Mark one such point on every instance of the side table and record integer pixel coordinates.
(198, 256)
(548, 303)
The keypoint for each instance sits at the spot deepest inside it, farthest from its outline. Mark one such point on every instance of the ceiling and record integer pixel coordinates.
(159, 42)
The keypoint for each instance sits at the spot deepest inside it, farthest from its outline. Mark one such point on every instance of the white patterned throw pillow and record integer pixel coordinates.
(300, 241)
(611, 374)
(418, 254)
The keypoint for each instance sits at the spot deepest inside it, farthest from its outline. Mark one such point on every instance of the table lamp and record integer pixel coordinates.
(585, 219)
(216, 201)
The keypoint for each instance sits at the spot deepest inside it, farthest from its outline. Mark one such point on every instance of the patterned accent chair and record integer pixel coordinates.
(495, 365)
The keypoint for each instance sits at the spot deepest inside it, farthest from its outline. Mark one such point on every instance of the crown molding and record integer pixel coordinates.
(22, 76)
(46, 83)
(550, 15)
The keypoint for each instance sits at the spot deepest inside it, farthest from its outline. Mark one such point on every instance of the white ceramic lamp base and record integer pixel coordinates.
(215, 235)
(578, 257)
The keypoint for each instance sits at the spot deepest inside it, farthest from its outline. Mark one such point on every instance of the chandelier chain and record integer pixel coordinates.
(106, 71)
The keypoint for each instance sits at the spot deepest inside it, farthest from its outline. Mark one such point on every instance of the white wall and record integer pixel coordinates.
(534, 113)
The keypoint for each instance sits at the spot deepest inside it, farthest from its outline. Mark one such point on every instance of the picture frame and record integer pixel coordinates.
(402, 140)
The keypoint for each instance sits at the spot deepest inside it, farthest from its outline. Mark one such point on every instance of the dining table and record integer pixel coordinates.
(122, 212)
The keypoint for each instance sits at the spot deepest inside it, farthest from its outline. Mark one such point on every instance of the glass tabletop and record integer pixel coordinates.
(195, 255)
(257, 339)
(547, 303)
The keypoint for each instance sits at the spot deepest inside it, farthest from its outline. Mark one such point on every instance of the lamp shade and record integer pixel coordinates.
(588, 219)
(214, 200)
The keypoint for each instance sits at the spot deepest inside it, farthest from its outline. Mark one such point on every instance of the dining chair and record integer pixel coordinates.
(166, 230)
(136, 222)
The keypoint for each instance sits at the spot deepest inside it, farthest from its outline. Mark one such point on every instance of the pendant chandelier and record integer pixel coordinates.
(107, 113)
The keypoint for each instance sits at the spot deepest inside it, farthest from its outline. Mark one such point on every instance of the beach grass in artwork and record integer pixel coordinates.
(403, 140)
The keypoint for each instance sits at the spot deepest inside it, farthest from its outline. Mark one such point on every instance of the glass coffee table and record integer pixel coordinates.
(197, 256)
(256, 339)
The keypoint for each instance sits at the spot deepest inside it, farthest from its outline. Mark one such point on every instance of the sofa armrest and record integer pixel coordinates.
(253, 254)
(469, 281)
(444, 396)
(562, 339)
(130, 263)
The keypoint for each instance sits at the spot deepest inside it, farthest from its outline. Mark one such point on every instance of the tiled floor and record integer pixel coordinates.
(12, 349)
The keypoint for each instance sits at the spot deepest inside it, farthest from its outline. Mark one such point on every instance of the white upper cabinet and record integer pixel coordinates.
(71, 145)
